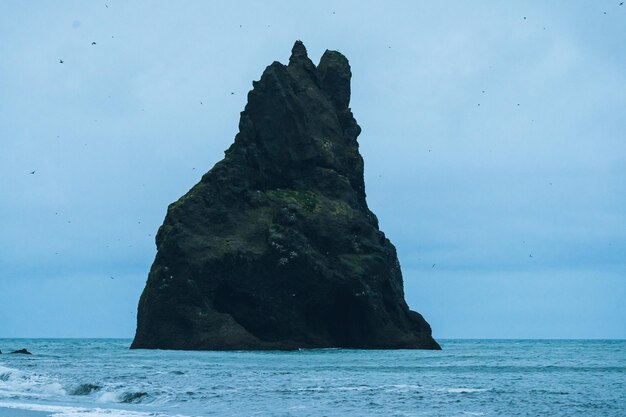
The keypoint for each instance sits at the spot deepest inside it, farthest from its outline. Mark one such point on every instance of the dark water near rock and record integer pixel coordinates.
(100, 377)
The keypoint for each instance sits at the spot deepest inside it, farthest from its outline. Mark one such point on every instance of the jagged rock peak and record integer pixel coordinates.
(298, 52)
(299, 61)
(334, 76)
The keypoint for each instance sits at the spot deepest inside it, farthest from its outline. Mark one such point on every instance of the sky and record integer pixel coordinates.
(493, 139)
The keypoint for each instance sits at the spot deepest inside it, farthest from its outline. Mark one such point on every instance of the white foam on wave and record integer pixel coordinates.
(462, 390)
(109, 397)
(401, 387)
(66, 411)
(14, 382)
(354, 388)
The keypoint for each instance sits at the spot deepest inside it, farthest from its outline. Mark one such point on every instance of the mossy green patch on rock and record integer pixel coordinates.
(308, 200)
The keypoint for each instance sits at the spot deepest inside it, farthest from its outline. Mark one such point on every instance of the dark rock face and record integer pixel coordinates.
(22, 352)
(275, 248)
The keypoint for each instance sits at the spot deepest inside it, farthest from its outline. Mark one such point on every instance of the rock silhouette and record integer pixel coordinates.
(275, 247)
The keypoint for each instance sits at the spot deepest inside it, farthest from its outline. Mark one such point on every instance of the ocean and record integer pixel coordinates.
(102, 377)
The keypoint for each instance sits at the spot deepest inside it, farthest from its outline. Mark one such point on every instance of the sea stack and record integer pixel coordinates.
(275, 247)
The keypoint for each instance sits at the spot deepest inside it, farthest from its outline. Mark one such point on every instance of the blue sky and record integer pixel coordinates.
(492, 131)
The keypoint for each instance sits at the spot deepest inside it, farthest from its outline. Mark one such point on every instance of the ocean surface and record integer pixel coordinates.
(102, 377)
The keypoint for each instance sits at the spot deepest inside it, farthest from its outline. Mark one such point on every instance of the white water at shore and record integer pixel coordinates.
(94, 378)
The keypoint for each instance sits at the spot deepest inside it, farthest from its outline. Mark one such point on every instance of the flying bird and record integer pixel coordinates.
(32, 172)
(231, 93)
(60, 61)
(433, 266)
(93, 43)
(530, 255)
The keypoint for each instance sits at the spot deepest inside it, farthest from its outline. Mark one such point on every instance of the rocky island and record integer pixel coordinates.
(275, 247)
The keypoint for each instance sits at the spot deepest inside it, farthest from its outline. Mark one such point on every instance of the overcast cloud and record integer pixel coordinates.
(493, 139)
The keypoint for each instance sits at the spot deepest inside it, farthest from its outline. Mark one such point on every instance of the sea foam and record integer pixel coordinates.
(14, 382)
(67, 411)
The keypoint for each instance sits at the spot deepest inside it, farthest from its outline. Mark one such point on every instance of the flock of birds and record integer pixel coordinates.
(94, 43)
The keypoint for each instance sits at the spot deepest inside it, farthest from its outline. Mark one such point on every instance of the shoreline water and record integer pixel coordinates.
(96, 377)
(16, 412)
